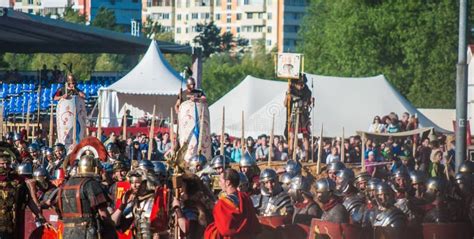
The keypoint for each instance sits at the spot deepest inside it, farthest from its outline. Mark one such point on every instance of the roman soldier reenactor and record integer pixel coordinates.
(83, 203)
(305, 207)
(353, 203)
(300, 104)
(272, 200)
(12, 194)
(333, 210)
(387, 215)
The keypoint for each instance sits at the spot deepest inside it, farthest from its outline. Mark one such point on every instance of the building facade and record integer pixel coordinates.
(125, 10)
(53, 8)
(275, 22)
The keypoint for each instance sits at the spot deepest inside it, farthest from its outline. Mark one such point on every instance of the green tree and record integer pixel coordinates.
(105, 18)
(154, 30)
(71, 15)
(411, 42)
(211, 40)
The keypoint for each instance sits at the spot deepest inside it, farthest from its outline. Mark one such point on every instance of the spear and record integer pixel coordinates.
(242, 137)
(99, 123)
(51, 124)
(320, 152)
(74, 126)
(295, 136)
(124, 124)
(28, 119)
(171, 127)
(270, 152)
(362, 155)
(201, 131)
(222, 131)
(343, 150)
(151, 134)
(1, 121)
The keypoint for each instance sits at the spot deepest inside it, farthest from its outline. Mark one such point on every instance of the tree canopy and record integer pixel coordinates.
(413, 43)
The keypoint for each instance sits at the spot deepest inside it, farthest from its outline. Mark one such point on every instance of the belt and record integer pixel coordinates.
(75, 224)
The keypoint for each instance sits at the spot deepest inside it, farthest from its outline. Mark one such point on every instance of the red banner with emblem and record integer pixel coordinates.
(122, 187)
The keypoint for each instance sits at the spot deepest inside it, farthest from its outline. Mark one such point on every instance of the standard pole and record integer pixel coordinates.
(461, 86)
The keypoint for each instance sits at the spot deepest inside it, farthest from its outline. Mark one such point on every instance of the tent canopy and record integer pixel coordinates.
(340, 102)
(26, 33)
(152, 82)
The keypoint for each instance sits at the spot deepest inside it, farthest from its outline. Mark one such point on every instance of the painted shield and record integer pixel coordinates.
(189, 128)
(46, 231)
(275, 221)
(65, 112)
(122, 187)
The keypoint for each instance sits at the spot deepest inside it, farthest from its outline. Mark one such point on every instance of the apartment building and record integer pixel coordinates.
(125, 10)
(276, 22)
(53, 8)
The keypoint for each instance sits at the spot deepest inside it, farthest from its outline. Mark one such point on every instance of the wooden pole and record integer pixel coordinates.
(270, 151)
(222, 131)
(99, 122)
(38, 102)
(151, 134)
(362, 154)
(74, 126)
(51, 124)
(320, 151)
(124, 124)
(343, 150)
(242, 137)
(171, 128)
(1, 121)
(201, 126)
(28, 119)
(288, 109)
(295, 136)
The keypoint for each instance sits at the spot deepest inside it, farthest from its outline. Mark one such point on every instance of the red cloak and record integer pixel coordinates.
(232, 222)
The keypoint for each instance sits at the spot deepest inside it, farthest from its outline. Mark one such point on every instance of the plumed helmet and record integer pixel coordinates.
(17, 137)
(220, 161)
(33, 148)
(336, 166)
(293, 168)
(466, 167)
(40, 174)
(146, 165)
(361, 177)
(88, 166)
(401, 173)
(247, 160)
(160, 169)
(299, 183)
(325, 185)
(25, 169)
(197, 160)
(345, 177)
(268, 174)
(417, 177)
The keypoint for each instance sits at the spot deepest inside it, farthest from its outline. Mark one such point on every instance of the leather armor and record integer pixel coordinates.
(10, 189)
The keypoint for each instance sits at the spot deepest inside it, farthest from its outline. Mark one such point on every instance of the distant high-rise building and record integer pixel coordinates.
(276, 22)
(53, 8)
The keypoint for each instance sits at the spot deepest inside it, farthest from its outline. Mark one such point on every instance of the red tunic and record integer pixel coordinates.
(233, 221)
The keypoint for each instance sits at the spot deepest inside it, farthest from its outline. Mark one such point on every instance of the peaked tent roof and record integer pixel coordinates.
(340, 102)
(151, 76)
(27, 33)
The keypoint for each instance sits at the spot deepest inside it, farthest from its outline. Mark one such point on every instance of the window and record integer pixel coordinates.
(260, 15)
(269, 16)
(165, 16)
(187, 17)
(229, 20)
(193, 29)
(218, 16)
(238, 29)
(258, 28)
(269, 29)
(228, 29)
(195, 16)
(249, 15)
(229, 7)
(178, 30)
(246, 2)
(30, 2)
(178, 17)
(239, 16)
(135, 1)
(187, 29)
(269, 42)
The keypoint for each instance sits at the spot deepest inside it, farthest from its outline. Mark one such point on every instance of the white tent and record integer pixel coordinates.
(152, 82)
(340, 102)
